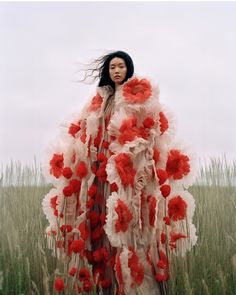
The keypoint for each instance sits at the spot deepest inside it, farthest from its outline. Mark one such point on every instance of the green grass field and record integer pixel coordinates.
(27, 266)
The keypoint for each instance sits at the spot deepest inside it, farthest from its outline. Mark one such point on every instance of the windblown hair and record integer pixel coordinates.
(99, 68)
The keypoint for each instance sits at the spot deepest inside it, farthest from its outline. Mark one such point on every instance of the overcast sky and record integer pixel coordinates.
(188, 48)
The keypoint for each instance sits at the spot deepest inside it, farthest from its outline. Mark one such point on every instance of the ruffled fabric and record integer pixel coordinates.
(120, 202)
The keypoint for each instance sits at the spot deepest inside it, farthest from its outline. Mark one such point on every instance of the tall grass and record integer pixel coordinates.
(27, 266)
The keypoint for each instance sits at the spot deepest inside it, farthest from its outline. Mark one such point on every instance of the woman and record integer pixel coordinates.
(119, 207)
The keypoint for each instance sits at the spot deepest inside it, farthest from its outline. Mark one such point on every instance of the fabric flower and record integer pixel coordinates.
(163, 262)
(124, 167)
(164, 124)
(72, 271)
(177, 165)
(56, 164)
(74, 128)
(82, 170)
(129, 130)
(165, 190)
(84, 274)
(136, 268)
(67, 172)
(177, 208)
(59, 284)
(148, 122)
(87, 285)
(162, 175)
(118, 219)
(162, 277)
(124, 216)
(96, 103)
(77, 246)
(137, 91)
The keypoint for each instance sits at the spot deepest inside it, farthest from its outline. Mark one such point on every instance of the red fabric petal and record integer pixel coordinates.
(59, 284)
(177, 165)
(124, 167)
(164, 124)
(56, 164)
(96, 103)
(67, 172)
(177, 208)
(124, 216)
(137, 91)
(165, 190)
(81, 170)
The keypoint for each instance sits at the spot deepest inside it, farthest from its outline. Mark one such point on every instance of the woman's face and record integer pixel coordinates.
(117, 70)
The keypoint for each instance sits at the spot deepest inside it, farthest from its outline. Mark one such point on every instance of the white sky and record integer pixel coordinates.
(188, 48)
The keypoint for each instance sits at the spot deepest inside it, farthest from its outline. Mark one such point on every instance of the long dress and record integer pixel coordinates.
(119, 207)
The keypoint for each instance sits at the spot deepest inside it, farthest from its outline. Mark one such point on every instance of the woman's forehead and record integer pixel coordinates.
(117, 60)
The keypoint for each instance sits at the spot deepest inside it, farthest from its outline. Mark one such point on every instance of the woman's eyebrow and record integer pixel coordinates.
(121, 63)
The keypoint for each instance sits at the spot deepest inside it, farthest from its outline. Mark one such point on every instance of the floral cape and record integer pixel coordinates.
(149, 211)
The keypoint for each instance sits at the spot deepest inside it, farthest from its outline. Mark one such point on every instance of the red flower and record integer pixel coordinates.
(124, 216)
(72, 271)
(84, 230)
(105, 144)
(163, 262)
(96, 103)
(68, 191)
(92, 190)
(167, 220)
(177, 164)
(98, 138)
(82, 170)
(162, 277)
(165, 190)
(137, 91)
(124, 167)
(53, 202)
(114, 187)
(152, 202)
(136, 268)
(156, 155)
(162, 176)
(129, 130)
(101, 157)
(77, 246)
(164, 124)
(57, 163)
(148, 122)
(177, 208)
(59, 284)
(87, 285)
(67, 172)
(66, 228)
(84, 274)
(74, 128)
(76, 185)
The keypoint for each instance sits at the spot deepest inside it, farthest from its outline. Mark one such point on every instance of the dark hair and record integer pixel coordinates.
(101, 66)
